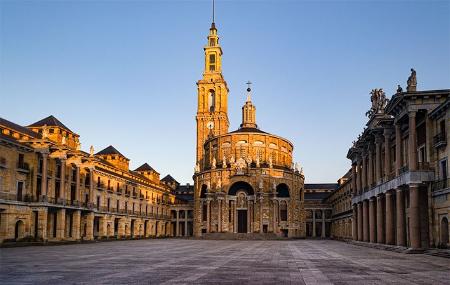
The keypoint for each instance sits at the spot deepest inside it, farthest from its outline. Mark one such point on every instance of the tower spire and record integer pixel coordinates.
(213, 12)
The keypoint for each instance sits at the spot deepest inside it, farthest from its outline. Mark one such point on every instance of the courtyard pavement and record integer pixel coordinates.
(179, 261)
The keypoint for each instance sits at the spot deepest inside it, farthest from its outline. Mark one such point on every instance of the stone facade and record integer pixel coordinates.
(245, 180)
(50, 190)
(400, 165)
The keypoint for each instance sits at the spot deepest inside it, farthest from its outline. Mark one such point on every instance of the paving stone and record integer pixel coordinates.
(178, 261)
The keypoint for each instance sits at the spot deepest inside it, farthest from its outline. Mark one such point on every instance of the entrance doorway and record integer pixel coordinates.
(242, 221)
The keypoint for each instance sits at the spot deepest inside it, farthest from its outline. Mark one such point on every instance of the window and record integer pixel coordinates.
(118, 205)
(98, 181)
(98, 202)
(443, 169)
(212, 42)
(283, 211)
(211, 100)
(442, 127)
(109, 203)
(20, 191)
(212, 62)
(21, 163)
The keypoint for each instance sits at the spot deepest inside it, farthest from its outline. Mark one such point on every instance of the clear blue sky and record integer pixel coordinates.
(124, 72)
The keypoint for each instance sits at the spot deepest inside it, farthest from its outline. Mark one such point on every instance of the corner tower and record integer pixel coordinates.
(212, 108)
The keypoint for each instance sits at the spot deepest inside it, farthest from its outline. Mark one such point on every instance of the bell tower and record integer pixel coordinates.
(212, 90)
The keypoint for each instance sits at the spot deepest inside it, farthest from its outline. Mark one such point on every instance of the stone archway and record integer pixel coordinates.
(444, 232)
(242, 206)
(19, 231)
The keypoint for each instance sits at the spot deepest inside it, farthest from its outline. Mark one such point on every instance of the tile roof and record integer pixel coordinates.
(50, 121)
(109, 150)
(144, 167)
(18, 128)
(168, 178)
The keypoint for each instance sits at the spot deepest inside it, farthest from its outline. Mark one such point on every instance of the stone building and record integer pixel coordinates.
(182, 209)
(245, 180)
(317, 210)
(340, 202)
(50, 190)
(400, 162)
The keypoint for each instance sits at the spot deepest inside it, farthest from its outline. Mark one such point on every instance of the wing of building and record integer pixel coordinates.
(245, 180)
(50, 190)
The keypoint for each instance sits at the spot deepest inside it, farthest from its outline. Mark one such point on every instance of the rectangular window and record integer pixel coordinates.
(21, 162)
(98, 202)
(20, 191)
(117, 205)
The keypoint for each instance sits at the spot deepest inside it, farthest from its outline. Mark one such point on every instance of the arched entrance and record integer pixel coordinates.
(444, 232)
(243, 206)
(19, 230)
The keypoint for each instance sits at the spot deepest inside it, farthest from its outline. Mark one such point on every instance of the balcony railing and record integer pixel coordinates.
(440, 184)
(403, 169)
(440, 140)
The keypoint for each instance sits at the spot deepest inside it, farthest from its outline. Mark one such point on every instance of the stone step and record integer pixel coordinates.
(242, 236)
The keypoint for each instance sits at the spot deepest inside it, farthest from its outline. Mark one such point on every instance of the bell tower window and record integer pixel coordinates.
(212, 62)
(211, 100)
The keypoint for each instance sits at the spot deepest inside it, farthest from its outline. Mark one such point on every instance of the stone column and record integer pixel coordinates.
(355, 222)
(274, 219)
(366, 220)
(235, 219)
(355, 190)
(401, 220)
(62, 185)
(261, 202)
(219, 217)
(364, 172)
(314, 223)
(60, 224)
(208, 217)
(414, 216)
(412, 142)
(77, 185)
(372, 220)
(370, 177)
(323, 223)
(91, 186)
(177, 227)
(380, 219)
(358, 177)
(390, 224)
(103, 223)
(42, 224)
(90, 226)
(44, 177)
(76, 224)
(185, 223)
(360, 221)
(378, 160)
(249, 220)
(398, 149)
(387, 153)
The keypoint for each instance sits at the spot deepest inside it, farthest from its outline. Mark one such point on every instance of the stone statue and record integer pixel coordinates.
(44, 131)
(240, 165)
(213, 165)
(63, 141)
(249, 160)
(224, 162)
(232, 161)
(261, 184)
(270, 162)
(78, 146)
(274, 186)
(197, 168)
(257, 161)
(399, 89)
(379, 101)
(219, 184)
(301, 172)
(296, 167)
(412, 81)
(91, 151)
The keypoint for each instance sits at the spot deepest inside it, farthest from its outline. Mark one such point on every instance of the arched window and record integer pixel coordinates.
(211, 100)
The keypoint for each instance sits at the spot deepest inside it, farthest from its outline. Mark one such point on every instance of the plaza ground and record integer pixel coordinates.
(187, 261)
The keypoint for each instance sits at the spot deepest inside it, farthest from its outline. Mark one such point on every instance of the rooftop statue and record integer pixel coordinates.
(412, 81)
(379, 101)
(91, 151)
(399, 89)
(44, 131)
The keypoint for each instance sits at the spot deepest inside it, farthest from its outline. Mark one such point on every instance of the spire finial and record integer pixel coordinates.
(213, 12)
(249, 84)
